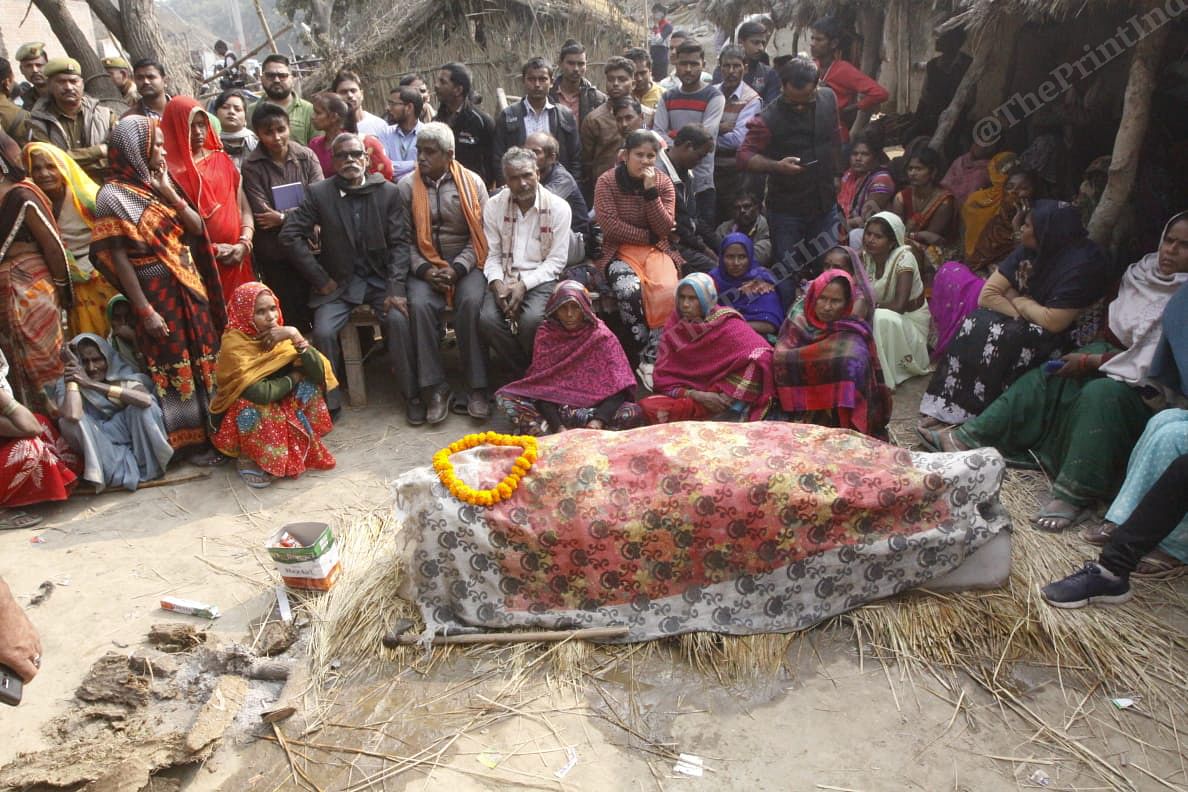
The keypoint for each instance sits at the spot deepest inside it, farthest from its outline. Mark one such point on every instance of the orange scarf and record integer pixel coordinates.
(658, 278)
(472, 209)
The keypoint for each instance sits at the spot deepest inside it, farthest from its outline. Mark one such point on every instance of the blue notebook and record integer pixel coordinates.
(287, 196)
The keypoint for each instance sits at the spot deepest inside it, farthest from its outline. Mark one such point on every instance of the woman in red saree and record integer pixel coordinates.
(928, 210)
(151, 242)
(212, 184)
(36, 464)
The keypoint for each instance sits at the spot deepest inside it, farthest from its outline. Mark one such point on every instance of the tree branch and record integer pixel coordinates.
(109, 15)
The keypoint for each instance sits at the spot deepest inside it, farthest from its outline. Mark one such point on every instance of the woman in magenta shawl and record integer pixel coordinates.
(711, 363)
(579, 376)
(746, 286)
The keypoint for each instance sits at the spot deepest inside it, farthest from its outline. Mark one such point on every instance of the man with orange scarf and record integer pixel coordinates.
(364, 246)
(443, 203)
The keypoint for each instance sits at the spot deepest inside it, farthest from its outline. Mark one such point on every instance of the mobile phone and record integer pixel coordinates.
(11, 686)
(808, 164)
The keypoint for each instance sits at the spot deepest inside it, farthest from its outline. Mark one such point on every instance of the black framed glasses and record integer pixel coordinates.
(350, 155)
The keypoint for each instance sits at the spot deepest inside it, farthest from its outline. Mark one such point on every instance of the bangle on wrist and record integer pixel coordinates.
(72, 386)
(10, 408)
(114, 392)
(143, 313)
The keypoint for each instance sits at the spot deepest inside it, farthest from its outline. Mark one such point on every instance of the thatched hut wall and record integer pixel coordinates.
(493, 40)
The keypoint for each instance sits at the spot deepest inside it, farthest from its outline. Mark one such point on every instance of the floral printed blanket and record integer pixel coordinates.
(683, 527)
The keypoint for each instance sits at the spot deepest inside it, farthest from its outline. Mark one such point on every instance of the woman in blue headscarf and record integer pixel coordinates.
(746, 286)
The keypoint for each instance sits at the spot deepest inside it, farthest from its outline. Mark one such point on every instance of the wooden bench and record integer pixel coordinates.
(352, 351)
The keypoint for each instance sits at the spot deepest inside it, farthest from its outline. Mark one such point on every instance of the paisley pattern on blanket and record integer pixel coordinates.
(733, 528)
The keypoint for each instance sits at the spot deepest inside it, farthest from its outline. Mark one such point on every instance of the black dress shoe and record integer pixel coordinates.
(415, 412)
(439, 406)
(478, 406)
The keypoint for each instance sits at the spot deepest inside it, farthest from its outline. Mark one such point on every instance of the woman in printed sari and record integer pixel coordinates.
(212, 184)
(901, 320)
(747, 287)
(36, 464)
(271, 399)
(1082, 415)
(867, 186)
(1025, 311)
(110, 416)
(826, 366)
(333, 116)
(72, 196)
(142, 225)
(928, 210)
(636, 207)
(711, 363)
(1164, 441)
(34, 281)
(579, 377)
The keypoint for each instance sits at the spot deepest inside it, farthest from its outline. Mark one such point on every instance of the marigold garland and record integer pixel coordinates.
(501, 491)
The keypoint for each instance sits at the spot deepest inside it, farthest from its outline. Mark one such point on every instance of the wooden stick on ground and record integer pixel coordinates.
(544, 636)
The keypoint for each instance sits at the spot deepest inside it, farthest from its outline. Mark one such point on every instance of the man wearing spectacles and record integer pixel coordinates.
(276, 76)
(363, 246)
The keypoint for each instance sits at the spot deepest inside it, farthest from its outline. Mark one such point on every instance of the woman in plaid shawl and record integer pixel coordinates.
(826, 368)
(152, 243)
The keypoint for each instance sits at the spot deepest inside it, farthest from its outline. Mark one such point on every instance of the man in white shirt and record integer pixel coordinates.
(348, 85)
(527, 230)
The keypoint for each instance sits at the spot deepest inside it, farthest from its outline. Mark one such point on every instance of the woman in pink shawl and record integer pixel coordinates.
(579, 376)
(711, 363)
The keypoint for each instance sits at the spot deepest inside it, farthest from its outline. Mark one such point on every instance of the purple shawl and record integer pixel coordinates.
(757, 308)
(577, 368)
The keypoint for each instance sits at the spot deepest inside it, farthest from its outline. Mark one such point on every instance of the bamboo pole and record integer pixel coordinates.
(549, 636)
(1128, 143)
(265, 25)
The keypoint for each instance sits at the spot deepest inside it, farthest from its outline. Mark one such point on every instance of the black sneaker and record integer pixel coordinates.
(1086, 586)
(415, 412)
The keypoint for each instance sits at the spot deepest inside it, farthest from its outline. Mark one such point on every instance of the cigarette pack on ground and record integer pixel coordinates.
(306, 555)
(190, 607)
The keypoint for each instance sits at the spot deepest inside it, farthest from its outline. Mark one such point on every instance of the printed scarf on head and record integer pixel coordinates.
(472, 210)
(81, 187)
(129, 190)
(507, 232)
(243, 359)
(576, 368)
(982, 205)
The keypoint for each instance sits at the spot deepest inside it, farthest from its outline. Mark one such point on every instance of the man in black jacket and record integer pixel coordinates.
(364, 248)
(536, 112)
(474, 130)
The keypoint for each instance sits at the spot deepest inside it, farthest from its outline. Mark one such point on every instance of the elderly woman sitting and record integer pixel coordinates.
(711, 363)
(110, 416)
(579, 377)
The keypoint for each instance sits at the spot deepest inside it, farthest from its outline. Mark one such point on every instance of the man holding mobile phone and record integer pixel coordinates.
(795, 142)
(20, 646)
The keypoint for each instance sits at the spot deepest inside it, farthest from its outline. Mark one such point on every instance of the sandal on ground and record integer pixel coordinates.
(1158, 565)
(208, 457)
(1058, 516)
(15, 519)
(940, 440)
(928, 422)
(253, 476)
(1099, 534)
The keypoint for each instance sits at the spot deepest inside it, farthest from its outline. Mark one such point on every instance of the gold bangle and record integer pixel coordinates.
(72, 386)
(114, 392)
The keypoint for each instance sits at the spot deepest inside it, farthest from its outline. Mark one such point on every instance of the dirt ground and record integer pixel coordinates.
(838, 720)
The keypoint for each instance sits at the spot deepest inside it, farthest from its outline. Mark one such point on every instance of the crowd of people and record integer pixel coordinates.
(731, 245)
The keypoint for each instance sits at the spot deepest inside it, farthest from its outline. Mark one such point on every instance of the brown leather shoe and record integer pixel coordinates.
(478, 406)
(439, 406)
